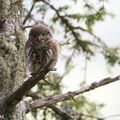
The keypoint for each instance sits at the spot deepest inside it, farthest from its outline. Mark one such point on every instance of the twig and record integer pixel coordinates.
(52, 84)
(58, 98)
(63, 20)
(29, 26)
(72, 28)
(29, 13)
(96, 37)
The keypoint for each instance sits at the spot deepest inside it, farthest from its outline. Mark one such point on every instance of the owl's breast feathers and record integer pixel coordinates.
(39, 55)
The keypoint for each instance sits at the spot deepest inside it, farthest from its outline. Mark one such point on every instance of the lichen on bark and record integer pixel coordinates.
(12, 68)
(11, 47)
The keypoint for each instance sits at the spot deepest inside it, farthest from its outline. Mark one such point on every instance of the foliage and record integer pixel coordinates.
(72, 26)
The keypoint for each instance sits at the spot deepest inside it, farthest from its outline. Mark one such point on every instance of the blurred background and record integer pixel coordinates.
(88, 32)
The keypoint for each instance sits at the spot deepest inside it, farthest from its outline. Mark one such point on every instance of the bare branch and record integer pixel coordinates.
(50, 83)
(58, 111)
(58, 98)
(28, 26)
(29, 13)
(63, 114)
(34, 95)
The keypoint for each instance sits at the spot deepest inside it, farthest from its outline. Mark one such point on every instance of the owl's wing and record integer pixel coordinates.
(53, 52)
(27, 52)
(55, 48)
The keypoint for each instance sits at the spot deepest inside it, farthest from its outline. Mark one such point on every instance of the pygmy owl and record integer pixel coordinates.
(40, 49)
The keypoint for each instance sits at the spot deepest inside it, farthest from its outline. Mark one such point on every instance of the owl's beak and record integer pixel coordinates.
(40, 37)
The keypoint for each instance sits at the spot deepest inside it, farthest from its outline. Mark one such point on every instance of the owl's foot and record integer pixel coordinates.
(33, 74)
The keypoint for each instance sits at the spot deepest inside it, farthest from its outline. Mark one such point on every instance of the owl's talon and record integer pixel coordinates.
(33, 74)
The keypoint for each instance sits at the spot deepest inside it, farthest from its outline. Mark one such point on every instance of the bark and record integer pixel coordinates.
(12, 68)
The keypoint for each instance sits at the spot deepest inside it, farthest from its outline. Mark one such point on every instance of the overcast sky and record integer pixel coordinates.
(97, 68)
(109, 31)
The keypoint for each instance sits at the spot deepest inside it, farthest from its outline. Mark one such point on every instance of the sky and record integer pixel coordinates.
(109, 32)
(97, 69)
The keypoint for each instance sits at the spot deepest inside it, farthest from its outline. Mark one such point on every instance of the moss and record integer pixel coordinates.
(6, 48)
(4, 75)
(4, 6)
(19, 72)
(12, 68)
(20, 39)
(12, 55)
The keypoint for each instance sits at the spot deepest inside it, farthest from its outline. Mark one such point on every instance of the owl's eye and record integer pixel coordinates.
(35, 35)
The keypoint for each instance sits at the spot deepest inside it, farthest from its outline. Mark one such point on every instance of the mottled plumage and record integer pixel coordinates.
(40, 49)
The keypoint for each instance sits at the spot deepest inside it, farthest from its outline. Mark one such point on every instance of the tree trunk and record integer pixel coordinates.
(12, 68)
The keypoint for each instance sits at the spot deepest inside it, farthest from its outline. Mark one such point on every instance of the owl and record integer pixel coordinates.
(40, 49)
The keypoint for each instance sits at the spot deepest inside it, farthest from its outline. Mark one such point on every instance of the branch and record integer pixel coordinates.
(29, 13)
(64, 115)
(34, 95)
(63, 19)
(58, 98)
(28, 26)
(17, 95)
(72, 28)
(96, 37)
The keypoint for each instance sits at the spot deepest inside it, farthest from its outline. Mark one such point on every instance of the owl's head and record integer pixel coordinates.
(39, 30)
